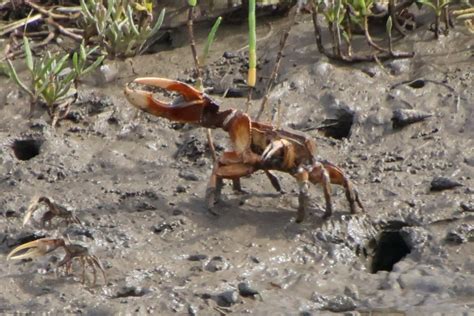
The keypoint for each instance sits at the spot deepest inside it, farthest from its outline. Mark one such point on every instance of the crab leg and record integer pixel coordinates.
(336, 176)
(228, 167)
(302, 177)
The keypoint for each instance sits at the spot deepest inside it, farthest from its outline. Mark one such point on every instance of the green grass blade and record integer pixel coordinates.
(159, 22)
(60, 65)
(210, 40)
(130, 20)
(252, 74)
(14, 76)
(28, 54)
(85, 10)
(94, 65)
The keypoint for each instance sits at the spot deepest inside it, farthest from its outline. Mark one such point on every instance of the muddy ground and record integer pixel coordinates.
(138, 182)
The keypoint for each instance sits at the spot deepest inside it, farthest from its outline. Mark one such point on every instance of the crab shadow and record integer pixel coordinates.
(37, 285)
(270, 220)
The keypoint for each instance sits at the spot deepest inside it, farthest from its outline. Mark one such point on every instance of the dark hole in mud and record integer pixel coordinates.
(390, 249)
(417, 84)
(26, 149)
(339, 127)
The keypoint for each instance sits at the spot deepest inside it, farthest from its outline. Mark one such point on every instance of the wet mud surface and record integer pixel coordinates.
(137, 184)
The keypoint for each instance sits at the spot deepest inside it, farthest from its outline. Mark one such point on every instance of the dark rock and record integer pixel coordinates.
(336, 304)
(180, 189)
(167, 226)
(442, 183)
(461, 234)
(467, 207)
(469, 161)
(371, 71)
(177, 212)
(130, 290)
(10, 213)
(245, 289)
(217, 263)
(192, 148)
(228, 298)
(229, 55)
(403, 117)
(188, 175)
(341, 303)
(197, 257)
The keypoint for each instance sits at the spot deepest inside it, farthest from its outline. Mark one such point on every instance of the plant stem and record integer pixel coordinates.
(199, 84)
(252, 74)
(317, 29)
(274, 74)
(193, 46)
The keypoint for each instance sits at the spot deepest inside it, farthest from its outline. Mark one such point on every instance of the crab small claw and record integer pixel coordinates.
(280, 149)
(271, 150)
(36, 248)
(29, 212)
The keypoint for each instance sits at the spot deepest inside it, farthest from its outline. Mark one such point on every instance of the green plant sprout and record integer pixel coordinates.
(52, 79)
(252, 73)
(440, 7)
(79, 61)
(210, 40)
(342, 18)
(113, 22)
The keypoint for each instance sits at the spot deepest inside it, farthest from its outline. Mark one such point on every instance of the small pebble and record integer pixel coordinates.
(130, 290)
(229, 298)
(467, 207)
(245, 289)
(197, 257)
(442, 183)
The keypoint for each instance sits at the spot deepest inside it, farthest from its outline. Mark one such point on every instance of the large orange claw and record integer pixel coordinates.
(188, 108)
(188, 92)
(36, 248)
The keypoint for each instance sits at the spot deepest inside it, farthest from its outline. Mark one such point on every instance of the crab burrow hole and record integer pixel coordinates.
(390, 248)
(25, 149)
(340, 126)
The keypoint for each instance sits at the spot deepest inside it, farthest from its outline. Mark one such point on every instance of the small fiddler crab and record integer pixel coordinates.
(54, 210)
(43, 246)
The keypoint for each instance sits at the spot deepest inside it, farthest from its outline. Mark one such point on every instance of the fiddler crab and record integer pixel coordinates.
(255, 145)
(54, 210)
(44, 246)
